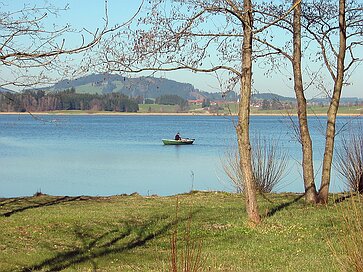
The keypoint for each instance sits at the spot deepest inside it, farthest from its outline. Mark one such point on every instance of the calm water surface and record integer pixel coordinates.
(107, 155)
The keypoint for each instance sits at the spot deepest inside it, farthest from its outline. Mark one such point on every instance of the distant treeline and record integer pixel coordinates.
(39, 101)
(171, 100)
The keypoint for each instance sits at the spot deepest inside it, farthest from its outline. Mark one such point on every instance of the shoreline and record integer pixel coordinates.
(137, 194)
(69, 113)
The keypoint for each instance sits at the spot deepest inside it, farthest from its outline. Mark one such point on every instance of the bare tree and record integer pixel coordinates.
(338, 33)
(31, 45)
(201, 36)
(323, 23)
(243, 135)
(306, 143)
(292, 25)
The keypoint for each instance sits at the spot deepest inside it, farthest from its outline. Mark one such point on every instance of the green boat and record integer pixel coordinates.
(184, 141)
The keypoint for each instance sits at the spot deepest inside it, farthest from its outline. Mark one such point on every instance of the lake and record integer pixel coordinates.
(116, 154)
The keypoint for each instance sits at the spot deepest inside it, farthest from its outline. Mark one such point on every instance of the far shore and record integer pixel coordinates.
(163, 113)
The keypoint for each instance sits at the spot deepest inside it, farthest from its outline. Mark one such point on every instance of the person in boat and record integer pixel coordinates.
(177, 137)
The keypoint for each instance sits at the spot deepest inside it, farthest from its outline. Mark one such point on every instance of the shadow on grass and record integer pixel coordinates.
(129, 237)
(4, 201)
(34, 205)
(283, 206)
(344, 197)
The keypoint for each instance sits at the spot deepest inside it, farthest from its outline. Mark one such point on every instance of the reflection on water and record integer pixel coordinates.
(106, 155)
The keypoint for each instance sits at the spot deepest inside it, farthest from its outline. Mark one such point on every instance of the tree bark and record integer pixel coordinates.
(306, 143)
(333, 108)
(244, 117)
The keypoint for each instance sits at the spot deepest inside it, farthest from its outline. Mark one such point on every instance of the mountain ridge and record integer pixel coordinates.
(153, 87)
(146, 87)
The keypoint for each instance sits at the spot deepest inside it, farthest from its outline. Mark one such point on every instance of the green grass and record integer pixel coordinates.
(342, 110)
(312, 110)
(89, 89)
(227, 110)
(132, 233)
(233, 109)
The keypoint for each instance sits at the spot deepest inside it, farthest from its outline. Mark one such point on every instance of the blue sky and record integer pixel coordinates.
(89, 14)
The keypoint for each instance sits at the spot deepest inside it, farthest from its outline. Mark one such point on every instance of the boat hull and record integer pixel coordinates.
(178, 142)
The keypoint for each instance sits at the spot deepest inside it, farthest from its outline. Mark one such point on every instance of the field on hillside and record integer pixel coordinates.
(312, 110)
(135, 233)
(232, 109)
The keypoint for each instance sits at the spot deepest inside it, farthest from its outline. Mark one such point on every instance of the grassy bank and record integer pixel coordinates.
(315, 110)
(133, 233)
(155, 109)
(233, 109)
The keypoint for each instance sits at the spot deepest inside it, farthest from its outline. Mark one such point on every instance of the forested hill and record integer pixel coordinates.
(146, 87)
(4, 90)
(271, 96)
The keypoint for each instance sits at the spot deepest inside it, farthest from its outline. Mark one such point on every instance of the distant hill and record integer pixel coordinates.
(271, 96)
(5, 90)
(152, 87)
(146, 87)
(343, 100)
(313, 101)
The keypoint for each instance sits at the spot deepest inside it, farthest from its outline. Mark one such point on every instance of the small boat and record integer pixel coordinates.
(183, 141)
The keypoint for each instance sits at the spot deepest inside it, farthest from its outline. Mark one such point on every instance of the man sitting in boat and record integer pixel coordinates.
(177, 137)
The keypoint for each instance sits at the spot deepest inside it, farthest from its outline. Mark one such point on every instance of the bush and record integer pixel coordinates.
(350, 160)
(269, 162)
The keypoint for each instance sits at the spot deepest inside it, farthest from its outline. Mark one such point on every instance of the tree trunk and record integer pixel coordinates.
(333, 108)
(244, 117)
(306, 143)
